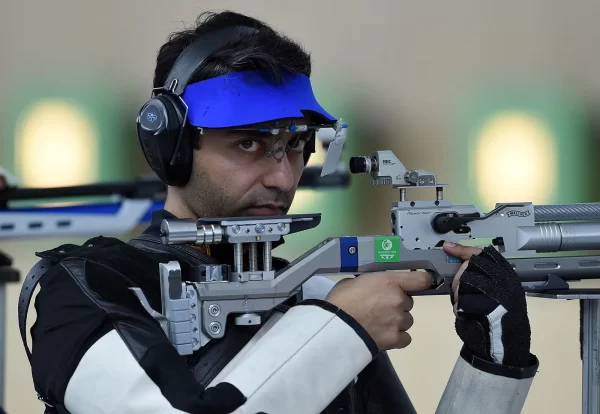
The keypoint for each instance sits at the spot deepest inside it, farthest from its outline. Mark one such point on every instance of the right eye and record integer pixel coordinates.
(249, 145)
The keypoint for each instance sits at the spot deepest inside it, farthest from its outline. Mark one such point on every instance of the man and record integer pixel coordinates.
(231, 136)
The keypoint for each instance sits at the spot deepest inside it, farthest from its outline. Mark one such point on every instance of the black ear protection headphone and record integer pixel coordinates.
(161, 122)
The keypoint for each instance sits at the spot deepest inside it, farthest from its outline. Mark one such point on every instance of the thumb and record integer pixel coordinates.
(411, 281)
(462, 252)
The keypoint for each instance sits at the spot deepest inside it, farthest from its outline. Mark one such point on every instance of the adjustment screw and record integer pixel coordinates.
(214, 310)
(352, 250)
(215, 327)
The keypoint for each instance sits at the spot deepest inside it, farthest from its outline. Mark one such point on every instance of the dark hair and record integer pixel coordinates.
(268, 50)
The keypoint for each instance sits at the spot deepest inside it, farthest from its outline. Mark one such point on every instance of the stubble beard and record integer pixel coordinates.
(206, 198)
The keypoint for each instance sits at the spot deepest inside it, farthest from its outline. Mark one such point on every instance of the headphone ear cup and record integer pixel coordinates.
(159, 124)
(179, 173)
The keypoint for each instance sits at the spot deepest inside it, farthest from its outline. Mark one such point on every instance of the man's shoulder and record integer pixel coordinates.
(100, 274)
(103, 260)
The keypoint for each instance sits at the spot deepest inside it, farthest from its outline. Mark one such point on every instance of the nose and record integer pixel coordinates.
(279, 175)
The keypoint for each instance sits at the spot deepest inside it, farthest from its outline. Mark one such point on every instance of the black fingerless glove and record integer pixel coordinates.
(492, 311)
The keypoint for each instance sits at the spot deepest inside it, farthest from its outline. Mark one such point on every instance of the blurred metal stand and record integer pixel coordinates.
(8, 274)
(589, 300)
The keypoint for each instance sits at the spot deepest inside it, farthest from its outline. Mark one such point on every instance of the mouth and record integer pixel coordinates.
(267, 210)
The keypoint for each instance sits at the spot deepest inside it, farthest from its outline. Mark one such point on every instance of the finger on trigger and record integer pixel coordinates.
(411, 281)
(456, 280)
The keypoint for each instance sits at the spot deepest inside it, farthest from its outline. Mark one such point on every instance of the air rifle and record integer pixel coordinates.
(208, 294)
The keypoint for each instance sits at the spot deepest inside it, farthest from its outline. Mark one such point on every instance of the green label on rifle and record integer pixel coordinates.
(387, 249)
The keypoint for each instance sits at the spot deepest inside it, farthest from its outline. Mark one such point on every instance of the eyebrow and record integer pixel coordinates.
(237, 134)
(251, 133)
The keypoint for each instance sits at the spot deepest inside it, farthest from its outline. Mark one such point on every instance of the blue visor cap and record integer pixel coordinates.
(244, 98)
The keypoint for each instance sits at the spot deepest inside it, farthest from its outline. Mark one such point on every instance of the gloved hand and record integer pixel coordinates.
(490, 307)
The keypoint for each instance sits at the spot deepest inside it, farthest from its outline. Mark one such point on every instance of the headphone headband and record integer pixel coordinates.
(196, 53)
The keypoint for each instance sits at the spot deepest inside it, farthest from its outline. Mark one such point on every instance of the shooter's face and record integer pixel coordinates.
(232, 175)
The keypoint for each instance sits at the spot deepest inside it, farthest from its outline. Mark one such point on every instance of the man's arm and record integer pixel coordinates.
(100, 352)
(495, 369)
(479, 386)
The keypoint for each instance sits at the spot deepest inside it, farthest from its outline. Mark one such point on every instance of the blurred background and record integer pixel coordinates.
(500, 99)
